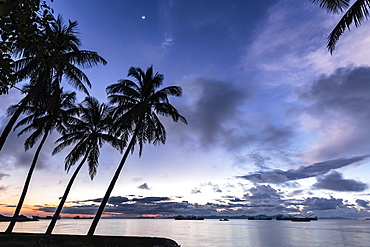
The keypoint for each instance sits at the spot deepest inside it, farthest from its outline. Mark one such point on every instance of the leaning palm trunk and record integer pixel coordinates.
(98, 215)
(26, 185)
(64, 198)
(11, 123)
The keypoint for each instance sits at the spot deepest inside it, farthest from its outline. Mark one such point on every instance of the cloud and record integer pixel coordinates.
(363, 203)
(279, 176)
(339, 104)
(227, 125)
(3, 175)
(316, 203)
(196, 191)
(151, 199)
(166, 18)
(335, 181)
(144, 186)
(215, 187)
(261, 199)
(263, 195)
(111, 200)
(3, 188)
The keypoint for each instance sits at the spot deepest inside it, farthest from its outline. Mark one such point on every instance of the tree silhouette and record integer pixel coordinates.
(57, 55)
(43, 118)
(137, 105)
(355, 13)
(88, 132)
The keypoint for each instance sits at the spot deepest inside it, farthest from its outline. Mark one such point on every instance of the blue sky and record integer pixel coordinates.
(276, 123)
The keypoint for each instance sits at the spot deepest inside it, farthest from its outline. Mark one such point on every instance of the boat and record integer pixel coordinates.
(224, 219)
(44, 218)
(301, 219)
(282, 217)
(259, 217)
(82, 218)
(305, 218)
(192, 217)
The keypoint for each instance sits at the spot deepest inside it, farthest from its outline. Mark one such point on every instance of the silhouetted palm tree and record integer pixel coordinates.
(137, 106)
(88, 133)
(43, 118)
(355, 13)
(57, 56)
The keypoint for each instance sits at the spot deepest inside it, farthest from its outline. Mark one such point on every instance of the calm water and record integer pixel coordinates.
(215, 233)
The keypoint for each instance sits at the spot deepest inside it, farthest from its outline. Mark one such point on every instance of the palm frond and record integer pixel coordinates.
(86, 59)
(333, 6)
(356, 14)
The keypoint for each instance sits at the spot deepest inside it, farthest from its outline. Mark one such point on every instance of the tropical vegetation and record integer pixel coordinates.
(355, 14)
(137, 106)
(46, 52)
(21, 21)
(88, 132)
(57, 55)
(42, 119)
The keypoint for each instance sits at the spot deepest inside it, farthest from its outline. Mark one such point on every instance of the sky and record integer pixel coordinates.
(276, 124)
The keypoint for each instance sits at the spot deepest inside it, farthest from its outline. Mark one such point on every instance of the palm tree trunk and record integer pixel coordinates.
(26, 185)
(97, 217)
(11, 123)
(64, 198)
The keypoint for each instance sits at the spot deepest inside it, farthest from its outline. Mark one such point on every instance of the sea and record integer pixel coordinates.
(215, 233)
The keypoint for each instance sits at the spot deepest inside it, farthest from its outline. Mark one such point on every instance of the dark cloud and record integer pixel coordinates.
(143, 186)
(111, 200)
(295, 193)
(316, 203)
(335, 181)
(261, 200)
(363, 203)
(3, 175)
(263, 195)
(346, 91)
(215, 117)
(316, 169)
(342, 99)
(151, 199)
(259, 160)
(209, 115)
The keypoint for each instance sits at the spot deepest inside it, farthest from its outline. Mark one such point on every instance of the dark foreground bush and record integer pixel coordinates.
(34, 243)
(40, 240)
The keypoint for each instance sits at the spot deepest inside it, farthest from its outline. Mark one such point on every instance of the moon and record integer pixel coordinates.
(143, 17)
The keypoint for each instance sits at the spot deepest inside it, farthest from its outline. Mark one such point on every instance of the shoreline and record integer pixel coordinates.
(64, 240)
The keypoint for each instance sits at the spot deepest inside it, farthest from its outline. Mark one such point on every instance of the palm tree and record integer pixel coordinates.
(88, 132)
(356, 13)
(137, 106)
(43, 119)
(56, 56)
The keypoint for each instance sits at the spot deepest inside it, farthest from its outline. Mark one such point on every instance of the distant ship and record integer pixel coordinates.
(224, 219)
(259, 217)
(44, 218)
(181, 217)
(307, 219)
(282, 217)
(79, 218)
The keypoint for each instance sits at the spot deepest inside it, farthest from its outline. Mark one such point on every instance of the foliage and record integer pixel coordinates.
(137, 106)
(28, 243)
(21, 21)
(356, 13)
